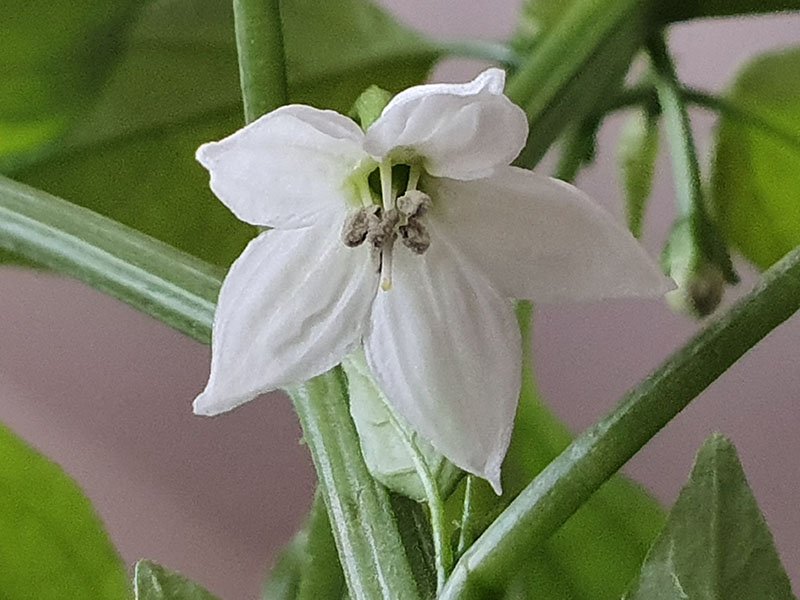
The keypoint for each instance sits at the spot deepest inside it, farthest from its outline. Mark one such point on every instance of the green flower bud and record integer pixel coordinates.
(383, 446)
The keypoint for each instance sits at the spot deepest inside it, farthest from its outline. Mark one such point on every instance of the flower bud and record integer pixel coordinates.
(385, 451)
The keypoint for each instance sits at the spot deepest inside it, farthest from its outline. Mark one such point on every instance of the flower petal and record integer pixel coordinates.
(445, 349)
(291, 307)
(542, 239)
(287, 167)
(462, 131)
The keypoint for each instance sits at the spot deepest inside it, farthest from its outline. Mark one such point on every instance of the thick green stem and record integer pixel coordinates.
(262, 60)
(363, 523)
(589, 461)
(151, 276)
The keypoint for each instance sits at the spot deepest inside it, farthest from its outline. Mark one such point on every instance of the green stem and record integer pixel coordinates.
(465, 535)
(363, 524)
(495, 52)
(681, 10)
(589, 461)
(744, 116)
(262, 60)
(639, 95)
(151, 276)
(443, 554)
(686, 168)
(707, 246)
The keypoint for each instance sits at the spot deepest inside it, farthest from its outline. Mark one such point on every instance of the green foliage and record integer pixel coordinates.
(284, 578)
(52, 545)
(176, 86)
(756, 176)
(154, 582)
(53, 57)
(715, 543)
(636, 154)
(537, 16)
(385, 451)
(321, 574)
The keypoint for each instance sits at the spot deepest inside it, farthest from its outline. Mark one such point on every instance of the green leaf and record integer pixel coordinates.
(52, 545)
(715, 543)
(176, 86)
(154, 582)
(53, 57)
(384, 449)
(636, 154)
(756, 172)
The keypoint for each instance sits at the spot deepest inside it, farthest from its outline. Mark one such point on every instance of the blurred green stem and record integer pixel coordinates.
(588, 462)
(495, 52)
(262, 60)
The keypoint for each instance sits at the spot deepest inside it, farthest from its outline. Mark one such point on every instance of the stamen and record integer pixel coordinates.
(413, 177)
(386, 185)
(358, 225)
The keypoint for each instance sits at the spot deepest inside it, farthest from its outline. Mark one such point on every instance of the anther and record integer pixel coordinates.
(415, 236)
(358, 224)
(414, 203)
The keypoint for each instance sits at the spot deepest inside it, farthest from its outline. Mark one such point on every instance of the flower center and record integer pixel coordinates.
(380, 225)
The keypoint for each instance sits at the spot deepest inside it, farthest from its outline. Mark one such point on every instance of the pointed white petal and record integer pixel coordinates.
(291, 307)
(462, 131)
(542, 239)
(287, 167)
(445, 349)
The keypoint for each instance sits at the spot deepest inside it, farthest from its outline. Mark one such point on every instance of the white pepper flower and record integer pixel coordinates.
(422, 272)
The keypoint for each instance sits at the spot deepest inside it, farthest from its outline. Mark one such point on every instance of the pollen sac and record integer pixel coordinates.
(382, 232)
(358, 224)
(414, 204)
(415, 236)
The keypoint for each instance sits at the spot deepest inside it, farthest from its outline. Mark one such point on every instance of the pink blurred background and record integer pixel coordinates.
(106, 392)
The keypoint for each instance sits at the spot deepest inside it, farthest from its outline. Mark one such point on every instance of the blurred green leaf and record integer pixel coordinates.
(756, 177)
(636, 154)
(715, 543)
(176, 86)
(321, 576)
(52, 545)
(154, 582)
(53, 58)
(284, 577)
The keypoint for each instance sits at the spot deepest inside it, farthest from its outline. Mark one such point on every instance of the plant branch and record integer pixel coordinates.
(151, 276)
(589, 461)
(496, 52)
